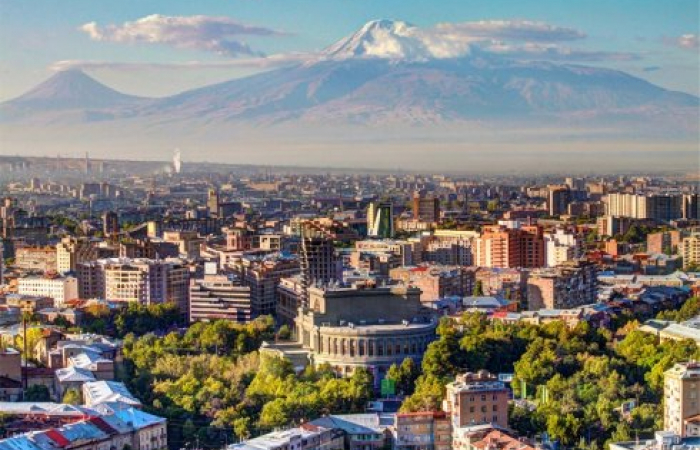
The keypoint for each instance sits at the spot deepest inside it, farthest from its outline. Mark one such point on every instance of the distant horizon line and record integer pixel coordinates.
(504, 173)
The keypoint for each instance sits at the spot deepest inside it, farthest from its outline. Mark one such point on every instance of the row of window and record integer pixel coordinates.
(352, 347)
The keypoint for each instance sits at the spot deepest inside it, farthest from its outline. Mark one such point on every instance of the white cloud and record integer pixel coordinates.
(516, 39)
(520, 39)
(220, 35)
(686, 42)
(556, 52)
(516, 30)
(266, 62)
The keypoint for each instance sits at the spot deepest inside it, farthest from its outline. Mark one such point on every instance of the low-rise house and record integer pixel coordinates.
(72, 378)
(102, 368)
(306, 437)
(126, 428)
(422, 430)
(361, 431)
(96, 392)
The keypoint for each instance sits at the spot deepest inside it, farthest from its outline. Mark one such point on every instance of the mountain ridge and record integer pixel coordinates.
(378, 75)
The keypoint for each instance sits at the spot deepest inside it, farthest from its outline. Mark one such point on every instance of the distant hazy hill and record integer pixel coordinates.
(377, 78)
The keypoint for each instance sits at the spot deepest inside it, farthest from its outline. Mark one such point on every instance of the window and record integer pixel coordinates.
(483, 398)
(495, 407)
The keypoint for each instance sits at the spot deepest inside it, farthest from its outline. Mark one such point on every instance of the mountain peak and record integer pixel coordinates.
(72, 88)
(384, 38)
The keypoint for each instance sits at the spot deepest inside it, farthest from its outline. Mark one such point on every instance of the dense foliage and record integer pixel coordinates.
(213, 386)
(574, 381)
(133, 318)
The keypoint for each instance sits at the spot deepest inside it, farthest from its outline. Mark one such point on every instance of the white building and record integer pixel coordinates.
(561, 246)
(60, 289)
(99, 392)
(71, 251)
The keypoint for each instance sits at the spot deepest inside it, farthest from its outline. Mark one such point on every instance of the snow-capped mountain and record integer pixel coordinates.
(385, 73)
(387, 39)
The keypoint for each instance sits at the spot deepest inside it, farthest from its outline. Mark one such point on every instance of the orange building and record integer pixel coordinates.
(499, 246)
(477, 398)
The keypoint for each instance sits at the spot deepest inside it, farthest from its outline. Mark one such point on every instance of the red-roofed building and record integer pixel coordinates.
(58, 438)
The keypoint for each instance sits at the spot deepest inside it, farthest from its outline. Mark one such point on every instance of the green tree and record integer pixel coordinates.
(37, 393)
(72, 397)
(284, 333)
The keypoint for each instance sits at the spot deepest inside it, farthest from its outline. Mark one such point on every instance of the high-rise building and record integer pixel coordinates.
(663, 241)
(661, 207)
(380, 220)
(532, 252)
(477, 398)
(558, 200)
(681, 396)
(213, 202)
(664, 208)
(110, 223)
(571, 284)
(561, 246)
(262, 275)
(691, 206)
(500, 246)
(426, 208)
(218, 297)
(319, 263)
(689, 250)
(71, 251)
(146, 281)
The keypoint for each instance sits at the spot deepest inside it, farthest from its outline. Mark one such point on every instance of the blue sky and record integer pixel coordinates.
(35, 35)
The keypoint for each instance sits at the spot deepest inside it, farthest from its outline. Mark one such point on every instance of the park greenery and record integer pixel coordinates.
(214, 387)
(571, 382)
(133, 318)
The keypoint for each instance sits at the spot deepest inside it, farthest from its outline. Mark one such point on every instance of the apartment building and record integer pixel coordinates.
(571, 284)
(477, 398)
(140, 280)
(681, 397)
(689, 250)
(217, 297)
(59, 288)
